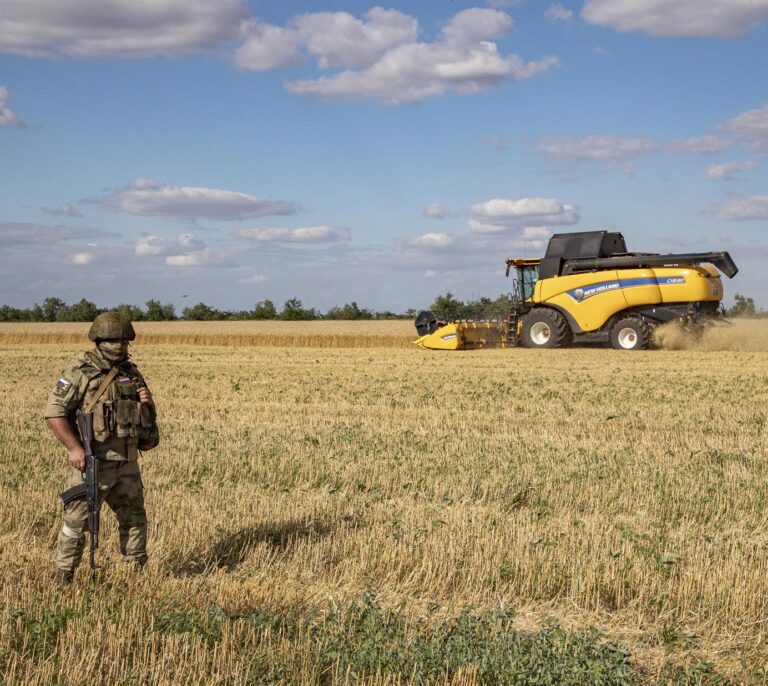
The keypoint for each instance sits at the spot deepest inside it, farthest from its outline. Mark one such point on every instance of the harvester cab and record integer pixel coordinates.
(589, 288)
(526, 276)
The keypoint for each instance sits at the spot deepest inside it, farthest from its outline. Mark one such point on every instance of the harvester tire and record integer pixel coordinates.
(630, 333)
(545, 328)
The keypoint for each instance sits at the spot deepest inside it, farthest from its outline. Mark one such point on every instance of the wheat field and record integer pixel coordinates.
(303, 334)
(353, 509)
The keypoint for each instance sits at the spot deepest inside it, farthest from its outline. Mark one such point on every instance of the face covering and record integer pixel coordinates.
(114, 352)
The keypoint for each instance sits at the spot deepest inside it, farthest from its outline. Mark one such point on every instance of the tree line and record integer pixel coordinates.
(56, 310)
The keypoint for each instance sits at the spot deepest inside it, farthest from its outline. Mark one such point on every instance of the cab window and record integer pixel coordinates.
(527, 277)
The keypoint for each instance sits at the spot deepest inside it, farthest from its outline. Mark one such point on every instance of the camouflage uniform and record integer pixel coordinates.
(121, 429)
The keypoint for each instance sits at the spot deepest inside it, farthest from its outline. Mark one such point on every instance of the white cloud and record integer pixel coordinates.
(149, 197)
(688, 18)
(536, 233)
(440, 253)
(340, 40)
(311, 234)
(435, 211)
(608, 148)
(430, 241)
(558, 13)
(531, 215)
(751, 127)
(504, 231)
(150, 245)
(82, 258)
(66, 210)
(184, 250)
(201, 258)
(727, 171)
(463, 61)
(614, 151)
(267, 47)
(418, 72)
(191, 260)
(476, 24)
(23, 234)
(256, 278)
(754, 207)
(153, 245)
(7, 116)
(501, 4)
(337, 39)
(118, 28)
(701, 145)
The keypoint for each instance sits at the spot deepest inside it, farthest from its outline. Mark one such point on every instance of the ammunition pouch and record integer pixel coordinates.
(103, 421)
(127, 424)
(78, 492)
(120, 414)
(150, 435)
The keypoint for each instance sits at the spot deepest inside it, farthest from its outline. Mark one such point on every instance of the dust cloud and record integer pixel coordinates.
(743, 335)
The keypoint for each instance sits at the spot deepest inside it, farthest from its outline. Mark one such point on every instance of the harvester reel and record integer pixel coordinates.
(426, 323)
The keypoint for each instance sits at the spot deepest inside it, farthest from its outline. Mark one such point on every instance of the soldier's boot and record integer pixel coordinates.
(64, 577)
(136, 565)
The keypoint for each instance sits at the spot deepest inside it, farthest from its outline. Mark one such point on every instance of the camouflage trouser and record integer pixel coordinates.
(121, 489)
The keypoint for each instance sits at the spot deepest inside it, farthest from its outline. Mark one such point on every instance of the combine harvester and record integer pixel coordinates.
(588, 288)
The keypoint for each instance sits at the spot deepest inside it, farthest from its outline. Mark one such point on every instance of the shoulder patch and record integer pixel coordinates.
(62, 386)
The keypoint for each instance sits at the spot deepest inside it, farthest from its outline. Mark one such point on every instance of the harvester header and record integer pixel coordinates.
(589, 288)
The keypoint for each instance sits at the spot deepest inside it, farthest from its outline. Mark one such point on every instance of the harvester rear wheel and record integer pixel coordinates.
(630, 333)
(545, 328)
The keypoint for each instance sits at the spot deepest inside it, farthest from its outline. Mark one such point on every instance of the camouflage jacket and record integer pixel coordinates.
(122, 425)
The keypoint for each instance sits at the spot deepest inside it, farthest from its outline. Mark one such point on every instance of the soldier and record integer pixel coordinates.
(124, 422)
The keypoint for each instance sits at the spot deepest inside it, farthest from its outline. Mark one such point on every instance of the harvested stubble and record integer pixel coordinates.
(625, 491)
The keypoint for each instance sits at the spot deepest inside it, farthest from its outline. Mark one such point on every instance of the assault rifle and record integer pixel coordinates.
(90, 489)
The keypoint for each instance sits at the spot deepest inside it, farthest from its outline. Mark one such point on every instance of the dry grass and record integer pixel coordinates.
(623, 490)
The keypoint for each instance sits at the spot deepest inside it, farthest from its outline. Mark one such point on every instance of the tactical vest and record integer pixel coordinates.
(118, 412)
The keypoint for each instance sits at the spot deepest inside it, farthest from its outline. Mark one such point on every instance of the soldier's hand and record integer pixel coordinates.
(77, 458)
(145, 396)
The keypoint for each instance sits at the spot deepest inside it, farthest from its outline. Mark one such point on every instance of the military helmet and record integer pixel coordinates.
(111, 325)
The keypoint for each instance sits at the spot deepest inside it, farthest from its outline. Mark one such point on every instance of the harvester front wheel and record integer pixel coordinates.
(630, 333)
(544, 328)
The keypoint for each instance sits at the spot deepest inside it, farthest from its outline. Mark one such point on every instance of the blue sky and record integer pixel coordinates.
(229, 151)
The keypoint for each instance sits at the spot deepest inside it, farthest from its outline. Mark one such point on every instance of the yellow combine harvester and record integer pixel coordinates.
(588, 288)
